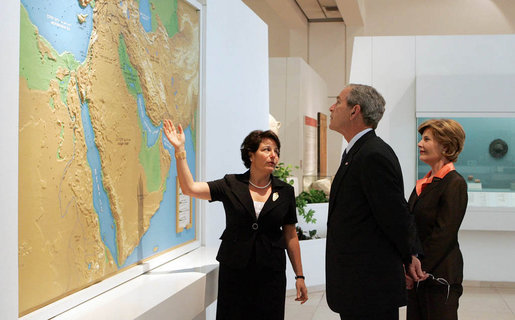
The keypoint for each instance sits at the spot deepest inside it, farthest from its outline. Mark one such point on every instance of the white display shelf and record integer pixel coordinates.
(489, 219)
(164, 292)
(490, 211)
(491, 200)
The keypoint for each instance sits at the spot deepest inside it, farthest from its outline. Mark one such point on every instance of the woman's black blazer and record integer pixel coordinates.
(438, 212)
(246, 237)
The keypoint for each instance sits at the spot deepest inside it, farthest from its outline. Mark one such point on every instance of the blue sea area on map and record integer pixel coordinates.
(100, 198)
(145, 17)
(152, 132)
(57, 22)
(161, 233)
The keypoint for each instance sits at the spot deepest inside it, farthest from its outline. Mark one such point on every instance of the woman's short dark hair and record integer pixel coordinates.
(252, 142)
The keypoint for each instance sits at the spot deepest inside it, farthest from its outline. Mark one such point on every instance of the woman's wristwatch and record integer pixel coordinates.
(300, 277)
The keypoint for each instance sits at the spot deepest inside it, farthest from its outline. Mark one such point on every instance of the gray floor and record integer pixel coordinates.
(477, 303)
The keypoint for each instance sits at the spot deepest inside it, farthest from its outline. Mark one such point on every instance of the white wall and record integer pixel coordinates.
(394, 77)
(327, 58)
(447, 70)
(236, 94)
(437, 17)
(327, 54)
(465, 73)
(488, 255)
(296, 90)
(420, 17)
(9, 62)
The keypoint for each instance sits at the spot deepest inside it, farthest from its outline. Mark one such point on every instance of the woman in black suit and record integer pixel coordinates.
(438, 204)
(260, 223)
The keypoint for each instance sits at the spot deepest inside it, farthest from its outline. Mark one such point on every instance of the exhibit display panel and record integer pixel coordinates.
(98, 192)
(487, 161)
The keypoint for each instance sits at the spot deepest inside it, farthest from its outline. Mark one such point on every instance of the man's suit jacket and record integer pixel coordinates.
(367, 231)
(438, 212)
(244, 235)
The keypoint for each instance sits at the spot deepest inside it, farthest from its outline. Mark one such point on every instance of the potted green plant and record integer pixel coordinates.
(283, 172)
(307, 212)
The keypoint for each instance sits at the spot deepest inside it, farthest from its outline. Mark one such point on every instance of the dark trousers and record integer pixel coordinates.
(387, 315)
(429, 302)
(252, 293)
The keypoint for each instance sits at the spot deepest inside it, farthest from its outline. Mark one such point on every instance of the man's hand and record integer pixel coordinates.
(415, 270)
(410, 283)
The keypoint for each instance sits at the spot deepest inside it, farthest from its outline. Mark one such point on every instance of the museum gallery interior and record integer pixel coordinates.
(95, 222)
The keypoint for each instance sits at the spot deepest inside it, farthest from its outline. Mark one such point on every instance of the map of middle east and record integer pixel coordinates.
(97, 179)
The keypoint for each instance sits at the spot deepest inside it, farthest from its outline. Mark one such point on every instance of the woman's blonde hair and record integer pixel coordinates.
(447, 132)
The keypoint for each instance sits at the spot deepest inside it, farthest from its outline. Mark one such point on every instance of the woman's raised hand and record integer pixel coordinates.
(176, 137)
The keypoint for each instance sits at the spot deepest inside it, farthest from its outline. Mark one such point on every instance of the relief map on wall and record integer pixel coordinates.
(97, 179)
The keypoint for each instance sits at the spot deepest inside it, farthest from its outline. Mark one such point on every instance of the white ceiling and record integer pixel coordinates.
(319, 10)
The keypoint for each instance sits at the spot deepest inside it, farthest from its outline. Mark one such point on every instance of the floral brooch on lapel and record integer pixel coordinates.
(275, 196)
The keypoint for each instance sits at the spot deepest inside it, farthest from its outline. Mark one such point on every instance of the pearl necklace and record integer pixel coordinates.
(263, 187)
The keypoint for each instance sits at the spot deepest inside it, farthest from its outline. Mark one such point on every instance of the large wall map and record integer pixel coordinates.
(97, 180)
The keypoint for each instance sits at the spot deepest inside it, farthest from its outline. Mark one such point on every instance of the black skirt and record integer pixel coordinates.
(254, 292)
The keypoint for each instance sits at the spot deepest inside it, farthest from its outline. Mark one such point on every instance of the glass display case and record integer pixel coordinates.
(487, 161)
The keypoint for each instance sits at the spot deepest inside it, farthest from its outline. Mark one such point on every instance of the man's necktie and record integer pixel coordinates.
(344, 155)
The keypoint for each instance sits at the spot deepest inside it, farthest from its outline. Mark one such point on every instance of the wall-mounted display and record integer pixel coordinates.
(310, 137)
(487, 161)
(97, 180)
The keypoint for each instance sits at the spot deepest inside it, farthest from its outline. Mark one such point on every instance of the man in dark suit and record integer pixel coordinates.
(368, 230)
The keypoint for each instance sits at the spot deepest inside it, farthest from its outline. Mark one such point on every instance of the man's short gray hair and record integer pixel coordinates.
(371, 102)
